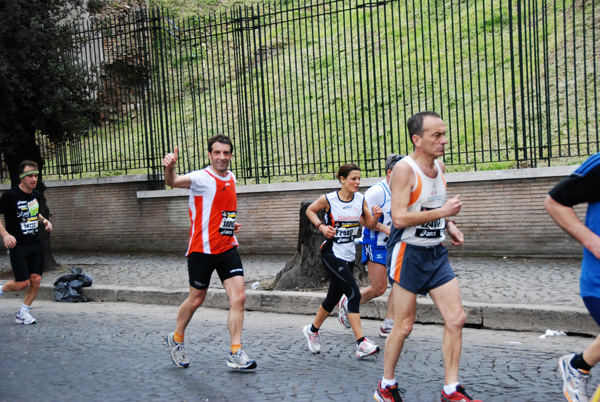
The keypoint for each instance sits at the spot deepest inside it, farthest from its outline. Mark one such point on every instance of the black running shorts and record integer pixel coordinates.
(201, 266)
(27, 259)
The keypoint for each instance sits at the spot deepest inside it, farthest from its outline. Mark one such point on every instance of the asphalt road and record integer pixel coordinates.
(116, 352)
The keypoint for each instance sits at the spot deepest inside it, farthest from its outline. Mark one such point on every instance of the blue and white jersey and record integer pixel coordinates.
(378, 194)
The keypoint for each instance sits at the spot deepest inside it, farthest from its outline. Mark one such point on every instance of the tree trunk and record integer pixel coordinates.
(30, 150)
(306, 270)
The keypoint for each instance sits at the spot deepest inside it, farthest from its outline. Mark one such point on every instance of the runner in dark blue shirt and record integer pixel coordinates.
(583, 186)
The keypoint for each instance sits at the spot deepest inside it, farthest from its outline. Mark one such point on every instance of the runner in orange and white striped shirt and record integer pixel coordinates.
(417, 261)
(212, 246)
(212, 206)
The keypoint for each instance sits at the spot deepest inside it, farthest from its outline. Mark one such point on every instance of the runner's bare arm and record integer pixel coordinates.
(9, 240)
(567, 219)
(46, 222)
(401, 184)
(171, 178)
(456, 236)
(371, 219)
(238, 227)
(311, 212)
(380, 227)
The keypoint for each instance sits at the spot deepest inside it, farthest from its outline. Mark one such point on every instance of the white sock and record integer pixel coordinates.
(1, 291)
(451, 388)
(387, 383)
(25, 308)
(389, 322)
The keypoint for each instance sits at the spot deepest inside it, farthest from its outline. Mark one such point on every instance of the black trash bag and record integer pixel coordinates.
(69, 288)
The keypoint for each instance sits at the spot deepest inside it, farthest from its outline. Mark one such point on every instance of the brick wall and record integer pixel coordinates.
(503, 214)
(507, 216)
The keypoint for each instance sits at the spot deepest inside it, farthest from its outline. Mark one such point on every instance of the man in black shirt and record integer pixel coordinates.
(20, 207)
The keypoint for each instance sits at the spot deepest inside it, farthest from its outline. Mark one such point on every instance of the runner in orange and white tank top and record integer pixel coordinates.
(417, 261)
(212, 247)
(213, 206)
(427, 194)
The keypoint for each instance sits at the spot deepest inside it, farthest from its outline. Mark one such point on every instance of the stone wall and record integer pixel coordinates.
(503, 214)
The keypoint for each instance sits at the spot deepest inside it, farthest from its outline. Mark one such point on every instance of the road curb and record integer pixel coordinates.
(512, 317)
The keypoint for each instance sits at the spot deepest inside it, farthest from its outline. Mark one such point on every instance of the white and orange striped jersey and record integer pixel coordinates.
(213, 209)
(427, 193)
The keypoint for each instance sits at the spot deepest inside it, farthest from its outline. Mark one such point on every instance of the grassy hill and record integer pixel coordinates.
(312, 87)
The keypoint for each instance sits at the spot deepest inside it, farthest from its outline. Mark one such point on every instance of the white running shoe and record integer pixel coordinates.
(178, 352)
(366, 348)
(384, 330)
(240, 361)
(343, 313)
(23, 317)
(574, 380)
(313, 339)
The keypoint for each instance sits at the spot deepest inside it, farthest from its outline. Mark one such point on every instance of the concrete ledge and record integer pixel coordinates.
(512, 317)
(322, 185)
(508, 174)
(329, 185)
(136, 178)
(539, 318)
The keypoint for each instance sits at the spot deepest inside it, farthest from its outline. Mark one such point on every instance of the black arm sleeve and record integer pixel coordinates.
(578, 189)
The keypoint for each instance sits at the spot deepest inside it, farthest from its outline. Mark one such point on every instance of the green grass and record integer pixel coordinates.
(330, 80)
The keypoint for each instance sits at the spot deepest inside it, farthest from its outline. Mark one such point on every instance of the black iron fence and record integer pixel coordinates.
(301, 89)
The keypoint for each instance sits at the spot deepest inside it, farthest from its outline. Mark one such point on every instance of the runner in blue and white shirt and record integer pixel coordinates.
(374, 251)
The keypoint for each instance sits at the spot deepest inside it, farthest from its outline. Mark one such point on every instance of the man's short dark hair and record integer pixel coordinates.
(223, 139)
(26, 163)
(415, 123)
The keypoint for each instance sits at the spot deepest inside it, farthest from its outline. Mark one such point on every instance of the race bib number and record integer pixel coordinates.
(29, 227)
(345, 232)
(227, 226)
(432, 229)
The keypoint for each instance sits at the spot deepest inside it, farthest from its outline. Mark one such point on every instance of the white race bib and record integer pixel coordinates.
(345, 232)
(227, 226)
